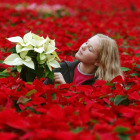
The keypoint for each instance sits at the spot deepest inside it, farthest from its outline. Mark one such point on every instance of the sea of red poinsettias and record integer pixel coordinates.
(33, 111)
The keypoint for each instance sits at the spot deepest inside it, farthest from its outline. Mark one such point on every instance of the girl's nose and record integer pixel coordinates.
(83, 47)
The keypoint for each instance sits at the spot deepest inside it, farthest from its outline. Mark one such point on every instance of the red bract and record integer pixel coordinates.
(99, 83)
(7, 136)
(117, 79)
(3, 98)
(134, 95)
(9, 118)
(56, 112)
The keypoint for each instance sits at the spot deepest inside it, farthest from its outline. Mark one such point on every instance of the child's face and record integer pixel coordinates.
(89, 51)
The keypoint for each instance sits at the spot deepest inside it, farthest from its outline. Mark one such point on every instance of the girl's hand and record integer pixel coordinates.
(58, 78)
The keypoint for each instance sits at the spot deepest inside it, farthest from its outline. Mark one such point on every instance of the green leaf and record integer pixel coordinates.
(133, 63)
(69, 44)
(4, 74)
(23, 100)
(46, 73)
(62, 106)
(16, 106)
(53, 96)
(30, 83)
(111, 99)
(124, 137)
(138, 66)
(14, 75)
(39, 72)
(58, 13)
(77, 130)
(67, 97)
(19, 68)
(13, 69)
(74, 60)
(27, 74)
(94, 121)
(135, 74)
(25, 68)
(56, 85)
(127, 88)
(109, 84)
(125, 102)
(118, 99)
(121, 129)
(30, 76)
(29, 108)
(51, 75)
(31, 53)
(125, 69)
(3, 70)
(13, 49)
(31, 92)
(38, 58)
(45, 15)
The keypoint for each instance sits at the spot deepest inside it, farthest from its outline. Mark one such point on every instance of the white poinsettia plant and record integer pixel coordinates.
(33, 56)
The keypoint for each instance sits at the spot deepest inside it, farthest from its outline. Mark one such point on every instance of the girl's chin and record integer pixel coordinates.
(77, 57)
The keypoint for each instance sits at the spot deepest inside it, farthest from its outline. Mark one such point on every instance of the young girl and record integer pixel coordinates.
(98, 58)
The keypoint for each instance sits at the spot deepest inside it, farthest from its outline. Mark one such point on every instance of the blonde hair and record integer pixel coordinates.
(109, 61)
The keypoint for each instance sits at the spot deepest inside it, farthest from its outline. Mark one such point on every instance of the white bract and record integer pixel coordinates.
(20, 48)
(49, 46)
(15, 60)
(24, 41)
(44, 49)
(52, 62)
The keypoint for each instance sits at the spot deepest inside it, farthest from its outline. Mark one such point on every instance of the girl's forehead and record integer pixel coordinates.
(94, 41)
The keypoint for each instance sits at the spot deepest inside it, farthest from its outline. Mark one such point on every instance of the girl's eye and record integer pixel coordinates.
(90, 49)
